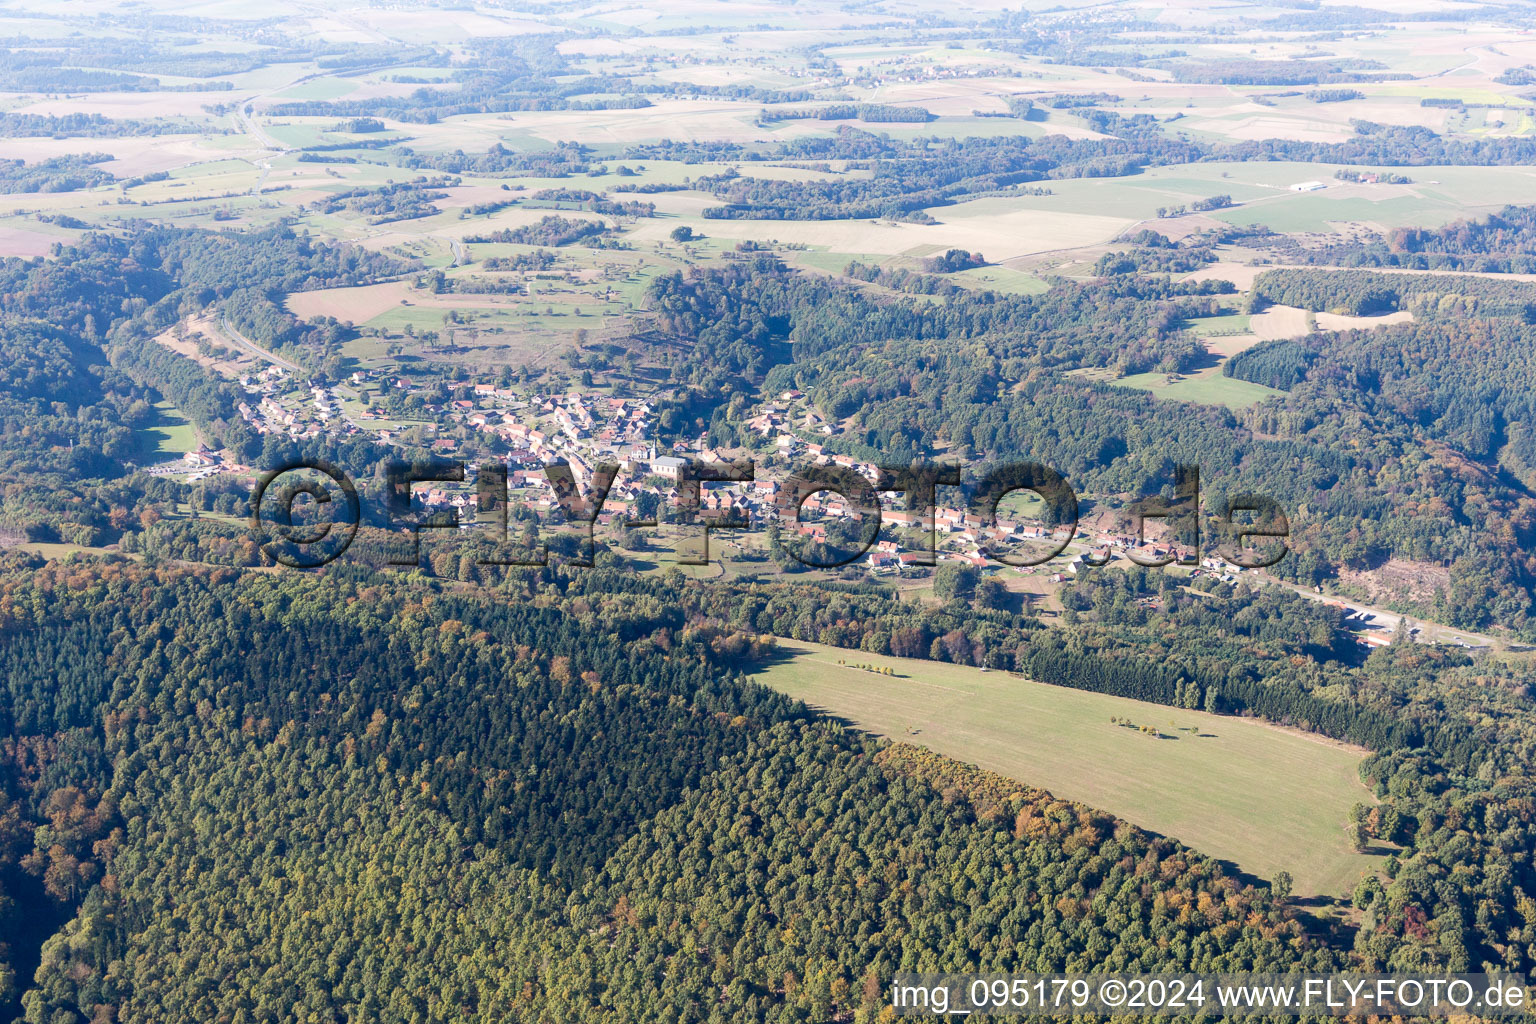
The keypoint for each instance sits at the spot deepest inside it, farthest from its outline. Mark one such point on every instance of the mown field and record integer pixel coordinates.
(1264, 798)
(173, 434)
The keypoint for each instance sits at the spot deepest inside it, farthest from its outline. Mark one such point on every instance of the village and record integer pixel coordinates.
(527, 431)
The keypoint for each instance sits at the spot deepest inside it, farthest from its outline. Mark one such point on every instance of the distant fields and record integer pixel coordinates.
(1264, 798)
(998, 228)
(318, 89)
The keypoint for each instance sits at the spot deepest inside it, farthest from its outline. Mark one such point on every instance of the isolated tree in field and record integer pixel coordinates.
(683, 234)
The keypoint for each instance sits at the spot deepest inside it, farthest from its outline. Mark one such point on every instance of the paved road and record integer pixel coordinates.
(256, 131)
(239, 340)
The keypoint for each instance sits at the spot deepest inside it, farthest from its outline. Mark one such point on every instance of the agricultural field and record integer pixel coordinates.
(1002, 279)
(1265, 798)
(998, 229)
(1221, 325)
(236, 168)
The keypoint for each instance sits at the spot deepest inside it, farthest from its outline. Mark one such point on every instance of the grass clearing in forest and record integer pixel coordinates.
(173, 434)
(1228, 323)
(1265, 798)
(1209, 389)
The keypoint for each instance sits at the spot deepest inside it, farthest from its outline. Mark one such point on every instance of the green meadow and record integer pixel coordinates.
(173, 434)
(1212, 389)
(1264, 798)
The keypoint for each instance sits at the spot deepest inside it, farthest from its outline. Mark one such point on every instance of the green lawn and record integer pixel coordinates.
(1264, 798)
(1002, 279)
(835, 262)
(172, 434)
(1209, 390)
(1319, 211)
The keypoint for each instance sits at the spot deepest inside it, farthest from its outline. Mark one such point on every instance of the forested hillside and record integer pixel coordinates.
(574, 801)
(1503, 242)
(1453, 384)
(81, 373)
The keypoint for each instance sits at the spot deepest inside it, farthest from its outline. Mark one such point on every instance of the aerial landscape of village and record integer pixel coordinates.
(712, 511)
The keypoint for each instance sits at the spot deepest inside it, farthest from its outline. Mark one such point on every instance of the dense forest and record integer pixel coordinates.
(22, 125)
(57, 174)
(870, 113)
(579, 801)
(1363, 293)
(552, 230)
(1454, 382)
(82, 374)
(578, 804)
